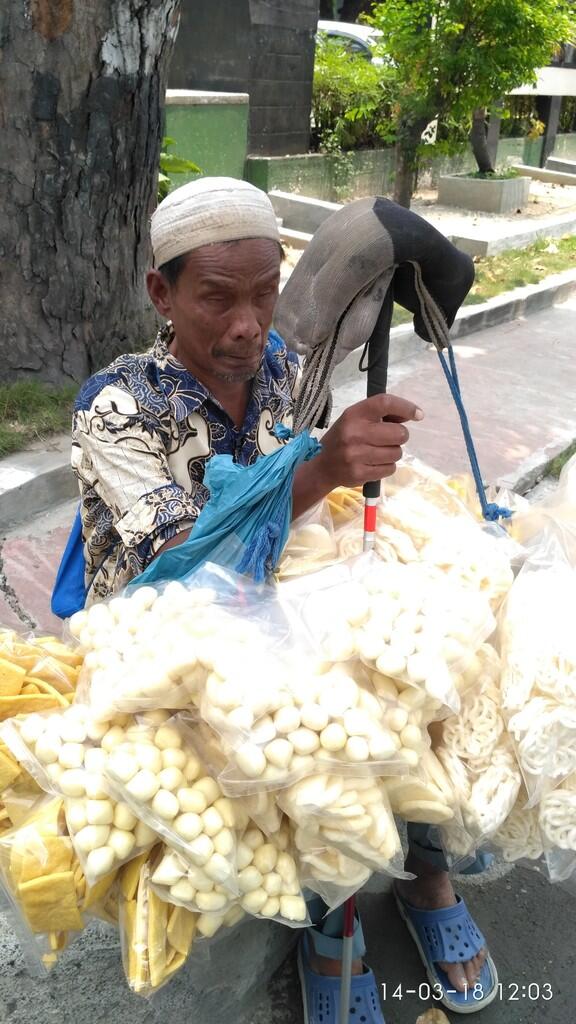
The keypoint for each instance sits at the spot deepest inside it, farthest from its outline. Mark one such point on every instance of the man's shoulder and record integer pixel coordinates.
(279, 360)
(126, 372)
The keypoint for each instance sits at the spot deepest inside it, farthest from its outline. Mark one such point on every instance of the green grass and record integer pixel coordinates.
(513, 269)
(557, 464)
(31, 411)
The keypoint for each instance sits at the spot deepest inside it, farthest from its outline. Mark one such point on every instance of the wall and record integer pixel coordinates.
(366, 172)
(209, 128)
(363, 173)
(262, 47)
(566, 146)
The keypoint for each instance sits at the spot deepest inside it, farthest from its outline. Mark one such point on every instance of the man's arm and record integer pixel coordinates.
(364, 444)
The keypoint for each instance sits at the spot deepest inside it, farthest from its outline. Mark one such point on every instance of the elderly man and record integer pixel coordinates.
(216, 381)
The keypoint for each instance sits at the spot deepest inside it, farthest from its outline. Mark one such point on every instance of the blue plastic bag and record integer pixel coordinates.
(69, 592)
(252, 504)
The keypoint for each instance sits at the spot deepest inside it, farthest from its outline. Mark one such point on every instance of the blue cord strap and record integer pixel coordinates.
(490, 510)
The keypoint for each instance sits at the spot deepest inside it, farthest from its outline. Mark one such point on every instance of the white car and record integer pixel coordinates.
(356, 38)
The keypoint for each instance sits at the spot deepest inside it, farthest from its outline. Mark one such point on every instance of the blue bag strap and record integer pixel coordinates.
(69, 592)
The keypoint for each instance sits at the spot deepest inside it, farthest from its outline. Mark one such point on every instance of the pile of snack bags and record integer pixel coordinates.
(207, 749)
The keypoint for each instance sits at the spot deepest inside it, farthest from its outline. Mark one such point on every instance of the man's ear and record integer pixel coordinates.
(160, 293)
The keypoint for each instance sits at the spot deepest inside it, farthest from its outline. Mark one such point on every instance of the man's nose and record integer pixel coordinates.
(245, 323)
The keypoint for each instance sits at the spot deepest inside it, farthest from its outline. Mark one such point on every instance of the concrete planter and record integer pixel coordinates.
(491, 195)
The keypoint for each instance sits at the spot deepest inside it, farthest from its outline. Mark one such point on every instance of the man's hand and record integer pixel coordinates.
(366, 441)
(364, 444)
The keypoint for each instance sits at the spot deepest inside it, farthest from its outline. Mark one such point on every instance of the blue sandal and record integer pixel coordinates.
(321, 994)
(450, 935)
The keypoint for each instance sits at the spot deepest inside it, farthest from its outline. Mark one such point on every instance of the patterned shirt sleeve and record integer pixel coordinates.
(119, 454)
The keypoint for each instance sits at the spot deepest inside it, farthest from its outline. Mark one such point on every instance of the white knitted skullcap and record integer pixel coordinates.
(210, 210)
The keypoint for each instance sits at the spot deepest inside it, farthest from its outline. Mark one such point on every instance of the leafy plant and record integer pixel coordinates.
(350, 100)
(172, 164)
(454, 59)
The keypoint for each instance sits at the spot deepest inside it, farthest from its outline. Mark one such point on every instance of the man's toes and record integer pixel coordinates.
(481, 957)
(457, 976)
(472, 968)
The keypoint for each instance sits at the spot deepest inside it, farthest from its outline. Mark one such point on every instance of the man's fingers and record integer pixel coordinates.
(384, 456)
(380, 407)
(378, 435)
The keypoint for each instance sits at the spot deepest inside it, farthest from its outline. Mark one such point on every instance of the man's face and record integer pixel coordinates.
(221, 307)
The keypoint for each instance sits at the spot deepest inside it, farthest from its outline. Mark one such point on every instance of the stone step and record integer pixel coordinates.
(555, 163)
(544, 174)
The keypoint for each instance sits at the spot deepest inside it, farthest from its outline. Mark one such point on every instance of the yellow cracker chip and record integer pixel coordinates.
(157, 923)
(30, 688)
(62, 653)
(56, 672)
(58, 940)
(176, 962)
(11, 678)
(96, 893)
(41, 686)
(54, 857)
(24, 704)
(181, 929)
(9, 770)
(49, 903)
(130, 876)
(137, 962)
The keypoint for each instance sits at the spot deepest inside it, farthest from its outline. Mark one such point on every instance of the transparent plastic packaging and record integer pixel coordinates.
(557, 819)
(311, 543)
(352, 815)
(537, 630)
(155, 647)
(65, 752)
(326, 871)
(43, 883)
(268, 877)
(156, 938)
(519, 837)
(54, 747)
(36, 673)
(426, 795)
(159, 775)
(319, 721)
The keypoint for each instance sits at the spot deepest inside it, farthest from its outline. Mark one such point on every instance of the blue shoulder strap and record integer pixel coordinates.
(69, 593)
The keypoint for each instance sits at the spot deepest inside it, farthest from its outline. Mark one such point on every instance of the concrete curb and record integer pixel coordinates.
(35, 481)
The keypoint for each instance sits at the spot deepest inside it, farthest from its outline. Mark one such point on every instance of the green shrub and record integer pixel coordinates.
(350, 100)
(171, 164)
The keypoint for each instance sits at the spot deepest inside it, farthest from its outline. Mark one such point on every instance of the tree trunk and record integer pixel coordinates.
(406, 161)
(479, 142)
(81, 97)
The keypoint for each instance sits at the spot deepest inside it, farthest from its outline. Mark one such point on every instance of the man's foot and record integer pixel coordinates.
(320, 979)
(330, 968)
(432, 890)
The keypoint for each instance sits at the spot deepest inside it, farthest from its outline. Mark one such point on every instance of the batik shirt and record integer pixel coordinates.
(144, 429)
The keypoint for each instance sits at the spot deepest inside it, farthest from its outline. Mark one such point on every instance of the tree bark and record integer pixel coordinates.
(81, 96)
(406, 161)
(479, 142)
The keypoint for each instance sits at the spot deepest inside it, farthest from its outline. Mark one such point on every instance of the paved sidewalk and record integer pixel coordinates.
(518, 383)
